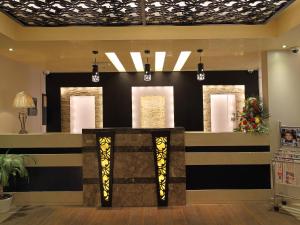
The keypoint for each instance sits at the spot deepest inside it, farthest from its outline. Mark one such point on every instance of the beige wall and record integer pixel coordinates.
(284, 94)
(16, 77)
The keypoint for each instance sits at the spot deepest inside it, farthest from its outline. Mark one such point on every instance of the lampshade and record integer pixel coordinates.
(200, 73)
(22, 100)
(147, 75)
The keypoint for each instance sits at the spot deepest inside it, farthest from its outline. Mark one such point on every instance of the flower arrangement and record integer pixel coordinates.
(253, 117)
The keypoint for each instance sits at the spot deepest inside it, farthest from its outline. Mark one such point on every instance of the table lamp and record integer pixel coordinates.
(23, 101)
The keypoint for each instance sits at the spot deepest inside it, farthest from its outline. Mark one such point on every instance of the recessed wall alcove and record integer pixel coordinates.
(208, 90)
(66, 94)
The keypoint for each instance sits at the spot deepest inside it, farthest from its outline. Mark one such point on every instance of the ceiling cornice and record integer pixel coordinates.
(18, 32)
(289, 18)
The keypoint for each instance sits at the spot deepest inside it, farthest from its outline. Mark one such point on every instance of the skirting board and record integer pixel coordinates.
(48, 198)
(193, 197)
(227, 196)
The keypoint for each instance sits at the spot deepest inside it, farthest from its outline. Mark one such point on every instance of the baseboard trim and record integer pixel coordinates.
(227, 196)
(48, 198)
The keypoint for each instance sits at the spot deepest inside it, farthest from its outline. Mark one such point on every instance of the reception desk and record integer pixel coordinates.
(134, 167)
(220, 167)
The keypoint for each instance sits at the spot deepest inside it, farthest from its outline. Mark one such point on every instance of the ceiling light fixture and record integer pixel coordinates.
(147, 74)
(159, 61)
(95, 71)
(115, 61)
(11, 49)
(137, 61)
(284, 46)
(183, 57)
(200, 71)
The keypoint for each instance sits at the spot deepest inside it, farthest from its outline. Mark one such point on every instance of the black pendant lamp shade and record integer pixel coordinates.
(200, 70)
(147, 73)
(95, 70)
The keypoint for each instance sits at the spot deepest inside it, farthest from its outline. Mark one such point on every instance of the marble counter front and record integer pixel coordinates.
(134, 176)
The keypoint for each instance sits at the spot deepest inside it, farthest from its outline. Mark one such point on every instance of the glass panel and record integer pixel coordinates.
(82, 113)
(223, 109)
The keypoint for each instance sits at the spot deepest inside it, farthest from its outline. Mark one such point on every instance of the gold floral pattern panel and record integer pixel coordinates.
(161, 155)
(105, 159)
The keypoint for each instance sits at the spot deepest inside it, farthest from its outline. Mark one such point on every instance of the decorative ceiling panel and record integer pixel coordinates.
(73, 12)
(138, 12)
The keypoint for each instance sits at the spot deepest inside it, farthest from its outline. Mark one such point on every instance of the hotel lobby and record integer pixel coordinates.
(149, 112)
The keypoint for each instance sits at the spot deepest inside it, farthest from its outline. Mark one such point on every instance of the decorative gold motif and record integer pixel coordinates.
(161, 156)
(105, 163)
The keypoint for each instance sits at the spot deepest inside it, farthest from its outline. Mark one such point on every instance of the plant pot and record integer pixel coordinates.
(5, 202)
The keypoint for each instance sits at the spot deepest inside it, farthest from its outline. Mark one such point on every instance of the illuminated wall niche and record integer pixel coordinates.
(105, 152)
(82, 113)
(161, 149)
(65, 103)
(209, 90)
(152, 107)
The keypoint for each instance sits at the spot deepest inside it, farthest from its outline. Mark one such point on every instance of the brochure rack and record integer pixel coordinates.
(286, 172)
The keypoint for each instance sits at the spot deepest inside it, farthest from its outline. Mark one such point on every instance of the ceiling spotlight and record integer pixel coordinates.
(284, 46)
(11, 49)
(200, 71)
(147, 74)
(95, 70)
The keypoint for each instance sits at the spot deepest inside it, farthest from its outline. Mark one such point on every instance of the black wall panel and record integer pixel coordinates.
(48, 179)
(117, 94)
(200, 177)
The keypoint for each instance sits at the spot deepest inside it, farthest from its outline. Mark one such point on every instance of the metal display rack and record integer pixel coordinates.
(286, 172)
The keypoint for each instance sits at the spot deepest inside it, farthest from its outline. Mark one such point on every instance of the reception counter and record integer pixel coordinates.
(137, 167)
(220, 167)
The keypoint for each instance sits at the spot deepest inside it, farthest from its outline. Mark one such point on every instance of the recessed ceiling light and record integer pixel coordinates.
(115, 61)
(159, 60)
(284, 46)
(11, 49)
(137, 61)
(184, 55)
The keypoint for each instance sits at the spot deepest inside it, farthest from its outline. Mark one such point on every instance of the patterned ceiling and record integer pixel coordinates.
(141, 12)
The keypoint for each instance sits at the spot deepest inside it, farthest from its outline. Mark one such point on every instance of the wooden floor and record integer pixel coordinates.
(224, 214)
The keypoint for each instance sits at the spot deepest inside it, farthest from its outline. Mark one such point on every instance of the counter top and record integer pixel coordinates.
(225, 139)
(131, 130)
(68, 140)
(40, 140)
